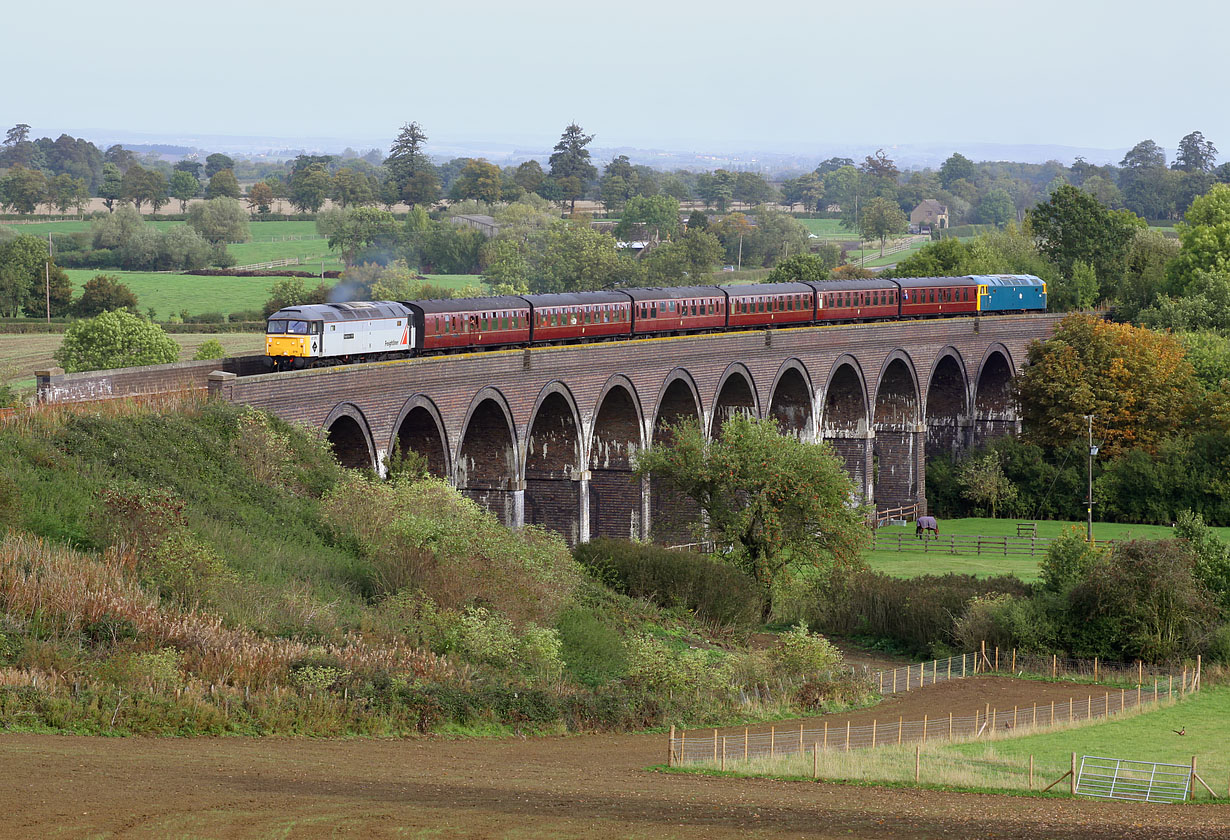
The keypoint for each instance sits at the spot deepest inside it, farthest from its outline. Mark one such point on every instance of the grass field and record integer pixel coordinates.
(1148, 736)
(938, 562)
(827, 228)
(21, 355)
(169, 294)
(1001, 760)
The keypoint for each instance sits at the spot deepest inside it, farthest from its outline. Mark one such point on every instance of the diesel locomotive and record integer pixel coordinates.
(360, 331)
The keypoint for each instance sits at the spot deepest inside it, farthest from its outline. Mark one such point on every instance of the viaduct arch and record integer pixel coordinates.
(549, 436)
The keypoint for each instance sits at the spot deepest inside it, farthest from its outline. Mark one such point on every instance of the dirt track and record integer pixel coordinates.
(584, 786)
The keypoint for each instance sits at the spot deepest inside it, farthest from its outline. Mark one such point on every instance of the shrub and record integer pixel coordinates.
(184, 569)
(138, 519)
(717, 592)
(800, 652)
(654, 665)
(112, 340)
(211, 349)
(1068, 561)
(917, 613)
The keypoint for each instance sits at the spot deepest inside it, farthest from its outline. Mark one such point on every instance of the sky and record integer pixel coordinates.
(772, 75)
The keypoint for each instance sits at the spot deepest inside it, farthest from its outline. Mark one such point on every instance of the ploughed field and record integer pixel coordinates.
(570, 786)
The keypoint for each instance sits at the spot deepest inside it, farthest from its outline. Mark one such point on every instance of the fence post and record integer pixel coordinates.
(723, 753)
(1054, 665)
(873, 734)
(1106, 702)
(924, 735)
(826, 736)
(1095, 669)
(670, 748)
(1034, 724)
(950, 668)
(1089, 708)
(800, 739)
(899, 720)
(715, 737)
(1140, 672)
(1052, 713)
(683, 737)
(950, 726)
(997, 659)
(772, 740)
(1014, 660)
(1072, 775)
(815, 761)
(1031, 771)
(917, 760)
(847, 736)
(894, 681)
(1191, 784)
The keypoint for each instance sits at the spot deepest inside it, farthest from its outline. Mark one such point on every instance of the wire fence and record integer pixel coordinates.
(693, 747)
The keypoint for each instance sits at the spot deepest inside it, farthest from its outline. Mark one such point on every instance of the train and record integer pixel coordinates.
(359, 331)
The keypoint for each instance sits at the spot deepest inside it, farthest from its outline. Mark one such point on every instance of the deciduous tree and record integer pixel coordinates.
(260, 198)
(219, 220)
(184, 187)
(781, 504)
(309, 187)
(217, 162)
(104, 293)
(1135, 382)
(223, 184)
(112, 188)
(880, 219)
(22, 190)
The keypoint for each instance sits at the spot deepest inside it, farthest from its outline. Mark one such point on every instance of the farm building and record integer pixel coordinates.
(930, 214)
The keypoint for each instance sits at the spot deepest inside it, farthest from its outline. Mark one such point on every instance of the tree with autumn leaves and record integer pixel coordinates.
(779, 503)
(1136, 383)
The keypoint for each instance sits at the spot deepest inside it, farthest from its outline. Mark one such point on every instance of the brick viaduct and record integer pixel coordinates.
(547, 436)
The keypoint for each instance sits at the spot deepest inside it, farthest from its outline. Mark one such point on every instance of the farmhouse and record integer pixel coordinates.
(930, 214)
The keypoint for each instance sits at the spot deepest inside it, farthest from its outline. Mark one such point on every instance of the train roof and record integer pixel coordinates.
(675, 293)
(576, 298)
(358, 310)
(932, 282)
(453, 305)
(857, 285)
(768, 289)
(1007, 280)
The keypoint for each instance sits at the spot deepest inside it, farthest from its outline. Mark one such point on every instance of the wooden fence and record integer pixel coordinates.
(962, 544)
(783, 740)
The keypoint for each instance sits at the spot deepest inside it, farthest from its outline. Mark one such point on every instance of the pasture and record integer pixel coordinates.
(170, 294)
(934, 559)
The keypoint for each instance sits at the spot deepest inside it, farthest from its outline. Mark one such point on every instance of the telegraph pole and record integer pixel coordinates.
(47, 277)
(1093, 450)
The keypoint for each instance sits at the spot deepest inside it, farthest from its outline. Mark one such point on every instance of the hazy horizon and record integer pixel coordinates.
(791, 79)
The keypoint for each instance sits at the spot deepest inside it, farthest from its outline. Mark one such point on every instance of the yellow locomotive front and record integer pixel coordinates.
(292, 338)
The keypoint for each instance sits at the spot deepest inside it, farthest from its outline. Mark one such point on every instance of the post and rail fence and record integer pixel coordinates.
(1135, 691)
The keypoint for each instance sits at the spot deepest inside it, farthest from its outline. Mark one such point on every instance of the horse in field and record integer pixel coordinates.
(926, 523)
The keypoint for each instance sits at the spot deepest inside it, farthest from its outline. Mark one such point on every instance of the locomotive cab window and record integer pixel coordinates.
(297, 327)
(276, 327)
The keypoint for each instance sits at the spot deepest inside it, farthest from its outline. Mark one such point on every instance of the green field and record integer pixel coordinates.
(169, 294)
(1148, 736)
(828, 228)
(269, 241)
(937, 561)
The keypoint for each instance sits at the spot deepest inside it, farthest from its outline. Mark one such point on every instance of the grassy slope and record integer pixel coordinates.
(168, 294)
(936, 561)
(827, 228)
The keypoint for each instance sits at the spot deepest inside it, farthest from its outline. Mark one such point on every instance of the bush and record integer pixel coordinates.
(917, 613)
(800, 652)
(113, 340)
(717, 592)
(211, 349)
(219, 220)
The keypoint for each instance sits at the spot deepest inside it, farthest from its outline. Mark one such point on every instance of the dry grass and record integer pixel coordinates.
(76, 591)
